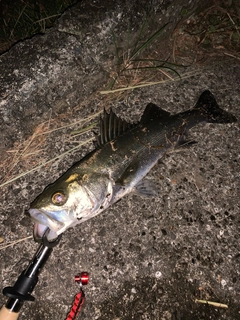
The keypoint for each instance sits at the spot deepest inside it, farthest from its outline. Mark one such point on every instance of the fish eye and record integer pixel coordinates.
(59, 198)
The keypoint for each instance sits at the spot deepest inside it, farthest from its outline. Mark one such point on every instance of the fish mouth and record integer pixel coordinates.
(43, 222)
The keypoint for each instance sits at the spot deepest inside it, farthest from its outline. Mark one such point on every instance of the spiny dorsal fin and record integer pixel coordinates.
(111, 127)
(152, 111)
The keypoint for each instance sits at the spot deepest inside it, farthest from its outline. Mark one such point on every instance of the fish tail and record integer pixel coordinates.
(211, 111)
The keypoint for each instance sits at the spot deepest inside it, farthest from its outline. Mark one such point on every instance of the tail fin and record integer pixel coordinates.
(210, 109)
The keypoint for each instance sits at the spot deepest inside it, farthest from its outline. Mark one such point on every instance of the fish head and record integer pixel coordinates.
(61, 205)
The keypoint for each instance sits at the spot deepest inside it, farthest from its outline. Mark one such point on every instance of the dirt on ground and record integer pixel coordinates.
(175, 256)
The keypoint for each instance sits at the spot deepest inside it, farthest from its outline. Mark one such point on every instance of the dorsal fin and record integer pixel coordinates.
(111, 127)
(152, 111)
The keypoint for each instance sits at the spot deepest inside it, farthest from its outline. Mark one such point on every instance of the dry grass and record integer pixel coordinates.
(24, 152)
(31, 154)
(140, 64)
(147, 84)
(212, 32)
(4, 245)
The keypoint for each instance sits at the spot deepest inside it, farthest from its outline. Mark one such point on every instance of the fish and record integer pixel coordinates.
(123, 156)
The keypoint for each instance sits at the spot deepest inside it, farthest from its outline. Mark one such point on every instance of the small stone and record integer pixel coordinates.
(158, 274)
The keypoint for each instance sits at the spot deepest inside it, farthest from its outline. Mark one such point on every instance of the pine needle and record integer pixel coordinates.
(12, 243)
(187, 75)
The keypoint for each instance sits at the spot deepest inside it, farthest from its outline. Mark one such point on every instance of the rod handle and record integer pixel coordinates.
(6, 314)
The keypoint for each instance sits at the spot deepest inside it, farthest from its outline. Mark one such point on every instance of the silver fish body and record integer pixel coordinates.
(125, 154)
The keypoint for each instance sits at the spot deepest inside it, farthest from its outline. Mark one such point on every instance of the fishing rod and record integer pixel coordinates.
(26, 282)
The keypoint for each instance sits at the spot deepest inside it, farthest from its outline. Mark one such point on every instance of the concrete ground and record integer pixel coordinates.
(147, 258)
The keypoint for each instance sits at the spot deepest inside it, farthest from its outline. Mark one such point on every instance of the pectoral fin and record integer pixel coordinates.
(145, 188)
(185, 143)
(129, 174)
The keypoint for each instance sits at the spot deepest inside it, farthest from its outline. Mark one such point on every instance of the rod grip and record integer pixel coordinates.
(6, 314)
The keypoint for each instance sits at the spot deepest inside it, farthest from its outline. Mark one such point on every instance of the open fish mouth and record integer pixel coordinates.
(43, 222)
